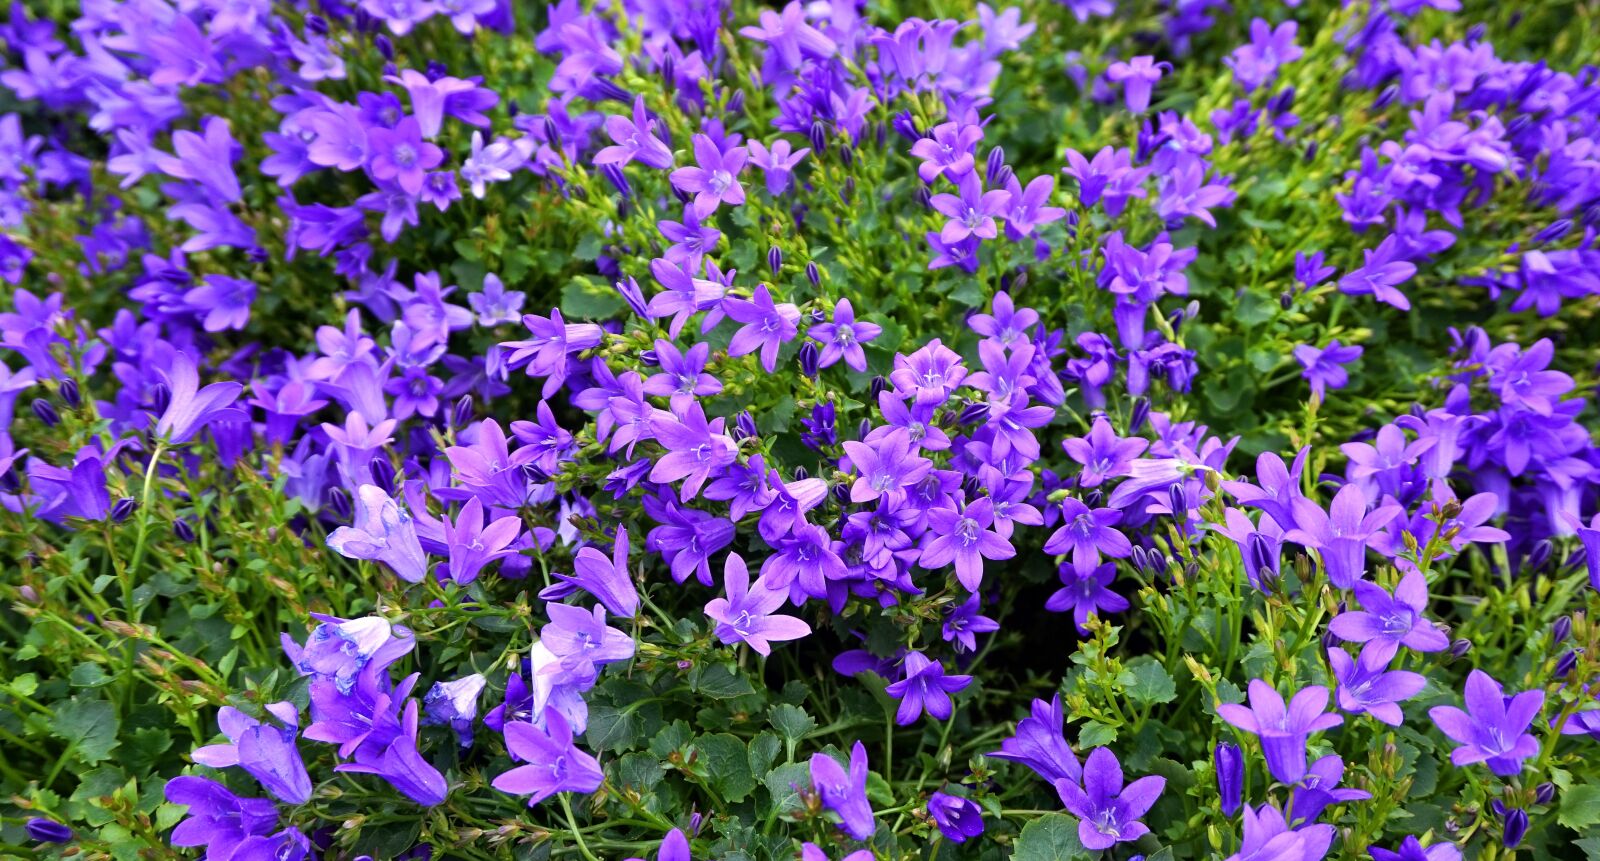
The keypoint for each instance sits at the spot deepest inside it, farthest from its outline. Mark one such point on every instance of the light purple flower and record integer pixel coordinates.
(1109, 812)
(1494, 727)
(746, 614)
(1283, 730)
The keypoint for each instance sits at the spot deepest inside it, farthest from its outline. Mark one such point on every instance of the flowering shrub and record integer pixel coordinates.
(640, 429)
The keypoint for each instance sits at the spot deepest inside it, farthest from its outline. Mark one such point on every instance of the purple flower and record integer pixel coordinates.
(778, 163)
(1027, 208)
(1268, 837)
(924, 687)
(884, 468)
(217, 819)
(929, 375)
(474, 545)
(1229, 762)
(1085, 594)
(1380, 275)
(1589, 537)
(715, 179)
(1102, 453)
(696, 448)
(947, 151)
(401, 765)
(1276, 489)
(1108, 812)
(842, 338)
(686, 537)
(43, 830)
(1320, 788)
(958, 819)
(1342, 533)
(267, 752)
(554, 339)
(381, 531)
(966, 537)
(682, 377)
(207, 160)
(845, 793)
(495, 304)
(553, 763)
(964, 622)
(1365, 684)
(746, 616)
(1110, 176)
(789, 36)
(342, 650)
(454, 704)
(972, 213)
(1256, 63)
(1387, 623)
(1494, 728)
(1039, 745)
(191, 408)
(582, 640)
(767, 326)
(634, 140)
(805, 555)
(1283, 730)
(606, 579)
(1324, 368)
(401, 155)
(1137, 77)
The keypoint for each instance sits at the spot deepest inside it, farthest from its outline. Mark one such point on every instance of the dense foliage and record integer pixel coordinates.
(670, 430)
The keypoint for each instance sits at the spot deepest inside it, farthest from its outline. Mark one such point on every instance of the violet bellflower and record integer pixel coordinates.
(1229, 762)
(634, 140)
(1411, 849)
(401, 765)
(216, 818)
(1365, 684)
(1109, 812)
(1388, 622)
(746, 614)
(1268, 837)
(1494, 728)
(191, 408)
(1324, 368)
(845, 793)
(1086, 594)
(267, 752)
(789, 36)
(972, 212)
(553, 340)
(1283, 730)
(674, 847)
(696, 449)
(1138, 78)
(843, 336)
(454, 704)
(767, 325)
(582, 640)
(947, 151)
(958, 819)
(714, 180)
(885, 468)
(1381, 275)
(606, 579)
(682, 377)
(381, 531)
(924, 687)
(778, 163)
(1102, 454)
(1040, 745)
(1320, 788)
(1087, 533)
(965, 536)
(552, 763)
(473, 544)
(339, 651)
(1341, 534)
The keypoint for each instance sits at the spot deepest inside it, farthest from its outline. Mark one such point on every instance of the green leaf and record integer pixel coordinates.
(611, 727)
(1580, 807)
(1052, 837)
(720, 682)
(89, 725)
(791, 722)
(88, 675)
(144, 746)
(1148, 682)
(763, 752)
(784, 784)
(581, 300)
(1096, 734)
(727, 763)
(640, 772)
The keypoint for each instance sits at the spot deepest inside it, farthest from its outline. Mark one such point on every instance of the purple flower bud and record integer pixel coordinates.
(436, 70)
(848, 192)
(1330, 640)
(339, 501)
(1544, 793)
(535, 473)
(683, 196)
(819, 138)
(607, 90)
(1140, 414)
(383, 473)
(905, 126)
(619, 181)
(70, 394)
(669, 72)
(1311, 153)
(973, 413)
(991, 167)
(1561, 630)
(746, 424)
(840, 494)
(847, 155)
(1386, 97)
(650, 359)
(863, 428)
(382, 43)
(813, 274)
(45, 412)
(775, 259)
(809, 359)
(317, 24)
(47, 831)
(1554, 230)
(1281, 101)
(1565, 665)
(1141, 560)
(1516, 828)
(183, 530)
(1460, 647)
(461, 415)
(1004, 175)
(1520, 123)
(736, 103)
(1178, 499)
(160, 398)
(1475, 33)
(1094, 498)
(1158, 561)
(876, 388)
(1230, 776)
(1019, 284)
(122, 508)
(1286, 300)
(552, 135)
(801, 473)
(816, 316)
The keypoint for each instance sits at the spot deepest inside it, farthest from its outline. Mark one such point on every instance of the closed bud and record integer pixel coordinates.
(617, 179)
(122, 508)
(650, 358)
(1178, 500)
(1544, 793)
(815, 315)
(383, 473)
(1460, 647)
(1539, 555)
(339, 501)
(1561, 630)
(552, 135)
(841, 494)
(1141, 560)
(1554, 230)
(160, 398)
(1230, 776)
(316, 24)
(1516, 828)
(775, 259)
(905, 126)
(813, 274)
(809, 358)
(462, 414)
(1310, 153)
(1094, 498)
(1158, 561)
(384, 46)
(183, 530)
(847, 155)
(1286, 300)
(863, 428)
(1140, 414)
(1330, 640)
(1565, 665)
(876, 387)
(819, 138)
(45, 412)
(973, 413)
(746, 424)
(736, 103)
(1386, 98)
(1475, 33)
(70, 394)
(848, 192)
(801, 473)
(436, 70)
(991, 172)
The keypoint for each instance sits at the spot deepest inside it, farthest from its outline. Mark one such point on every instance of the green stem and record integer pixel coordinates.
(572, 823)
(132, 570)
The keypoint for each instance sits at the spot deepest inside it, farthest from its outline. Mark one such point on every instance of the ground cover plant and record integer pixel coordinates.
(1098, 429)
